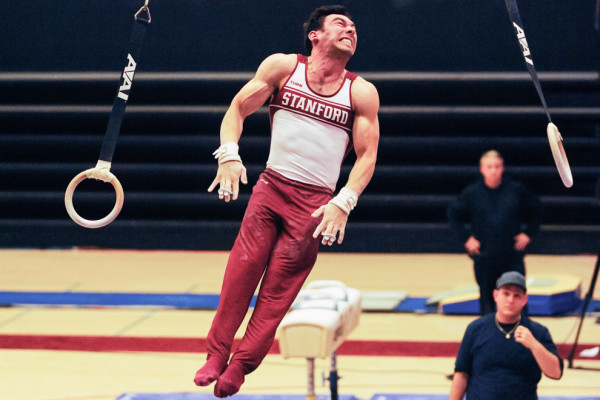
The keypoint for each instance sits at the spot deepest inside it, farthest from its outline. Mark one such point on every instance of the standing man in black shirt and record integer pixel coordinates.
(495, 218)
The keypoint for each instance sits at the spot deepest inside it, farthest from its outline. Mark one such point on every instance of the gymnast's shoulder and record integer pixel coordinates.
(277, 66)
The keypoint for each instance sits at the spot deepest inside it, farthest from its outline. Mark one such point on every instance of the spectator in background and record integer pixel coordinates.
(495, 217)
(503, 355)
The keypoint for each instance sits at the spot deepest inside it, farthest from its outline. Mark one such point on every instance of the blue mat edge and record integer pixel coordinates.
(377, 396)
(421, 396)
(211, 301)
(201, 396)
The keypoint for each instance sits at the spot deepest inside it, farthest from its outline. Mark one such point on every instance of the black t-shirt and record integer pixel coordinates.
(495, 216)
(500, 368)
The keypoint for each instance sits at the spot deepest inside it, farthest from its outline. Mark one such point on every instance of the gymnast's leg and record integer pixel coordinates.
(245, 267)
(293, 257)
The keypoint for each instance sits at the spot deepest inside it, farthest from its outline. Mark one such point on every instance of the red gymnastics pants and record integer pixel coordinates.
(274, 242)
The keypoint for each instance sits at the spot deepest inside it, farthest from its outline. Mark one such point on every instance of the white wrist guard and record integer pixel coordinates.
(346, 199)
(227, 152)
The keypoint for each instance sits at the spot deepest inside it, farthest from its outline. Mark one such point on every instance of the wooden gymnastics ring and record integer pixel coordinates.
(559, 154)
(100, 172)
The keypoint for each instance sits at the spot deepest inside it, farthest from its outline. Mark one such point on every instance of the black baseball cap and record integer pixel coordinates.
(512, 278)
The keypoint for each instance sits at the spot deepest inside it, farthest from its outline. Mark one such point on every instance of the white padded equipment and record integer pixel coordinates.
(322, 316)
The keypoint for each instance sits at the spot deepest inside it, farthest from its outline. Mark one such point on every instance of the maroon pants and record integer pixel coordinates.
(275, 242)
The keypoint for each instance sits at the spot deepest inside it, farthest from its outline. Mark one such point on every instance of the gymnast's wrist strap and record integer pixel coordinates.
(120, 102)
(227, 152)
(346, 199)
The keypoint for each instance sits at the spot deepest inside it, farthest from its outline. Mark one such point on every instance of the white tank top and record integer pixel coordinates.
(310, 134)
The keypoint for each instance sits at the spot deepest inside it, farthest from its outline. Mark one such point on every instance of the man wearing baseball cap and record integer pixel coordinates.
(503, 355)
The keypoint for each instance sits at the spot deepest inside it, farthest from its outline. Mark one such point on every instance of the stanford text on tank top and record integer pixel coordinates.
(310, 133)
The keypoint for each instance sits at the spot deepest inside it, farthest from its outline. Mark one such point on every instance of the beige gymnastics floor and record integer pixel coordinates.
(67, 375)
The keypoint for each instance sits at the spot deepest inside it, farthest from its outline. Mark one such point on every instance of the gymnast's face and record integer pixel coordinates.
(338, 34)
(492, 168)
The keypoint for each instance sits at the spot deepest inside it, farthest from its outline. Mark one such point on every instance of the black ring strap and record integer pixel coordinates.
(102, 169)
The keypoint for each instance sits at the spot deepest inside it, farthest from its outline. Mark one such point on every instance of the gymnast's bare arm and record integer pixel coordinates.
(269, 77)
(365, 135)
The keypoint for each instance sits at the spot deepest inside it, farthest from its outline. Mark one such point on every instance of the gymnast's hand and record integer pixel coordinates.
(333, 223)
(229, 176)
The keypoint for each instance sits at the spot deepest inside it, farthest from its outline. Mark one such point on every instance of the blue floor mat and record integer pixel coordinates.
(199, 396)
(415, 304)
(383, 396)
(445, 397)
(176, 300)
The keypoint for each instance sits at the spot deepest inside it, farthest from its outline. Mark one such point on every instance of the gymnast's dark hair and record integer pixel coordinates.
(315, 21)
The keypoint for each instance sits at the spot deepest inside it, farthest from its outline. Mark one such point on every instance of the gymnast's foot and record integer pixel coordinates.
(230, 381)
(210, 371)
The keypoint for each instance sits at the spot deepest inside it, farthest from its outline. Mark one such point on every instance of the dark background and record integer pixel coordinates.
(52, 122)
(200, 35)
